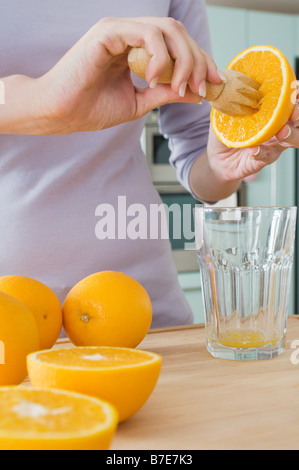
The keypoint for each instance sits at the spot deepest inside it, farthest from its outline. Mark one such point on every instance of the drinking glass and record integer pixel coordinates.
(245, 257)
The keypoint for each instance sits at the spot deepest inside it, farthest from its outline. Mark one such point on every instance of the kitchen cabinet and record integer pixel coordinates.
(228, 31)
(191, 285)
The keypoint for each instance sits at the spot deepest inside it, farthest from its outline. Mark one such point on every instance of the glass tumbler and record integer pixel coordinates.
(245, 257)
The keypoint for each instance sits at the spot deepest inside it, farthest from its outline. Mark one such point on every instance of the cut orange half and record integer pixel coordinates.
(269, 67)
(122, 376)
(37, 419)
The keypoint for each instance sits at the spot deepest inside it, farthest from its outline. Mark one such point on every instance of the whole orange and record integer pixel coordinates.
(107, 309)
(18, 337)
(41, 301)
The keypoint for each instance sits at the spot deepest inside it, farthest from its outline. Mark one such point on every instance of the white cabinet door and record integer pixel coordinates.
(276, 183)
(228, 27)
(191, 285)
(273, 29)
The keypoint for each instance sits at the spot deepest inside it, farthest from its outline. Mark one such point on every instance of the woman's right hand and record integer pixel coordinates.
(90, 88)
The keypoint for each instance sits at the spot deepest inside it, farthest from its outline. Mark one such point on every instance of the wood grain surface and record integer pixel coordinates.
(206, 403)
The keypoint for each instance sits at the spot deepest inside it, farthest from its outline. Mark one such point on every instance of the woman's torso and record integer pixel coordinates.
(53, 188)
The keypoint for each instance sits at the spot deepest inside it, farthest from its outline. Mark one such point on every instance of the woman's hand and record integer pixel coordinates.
(90, 88)
(237, 164)
(217, 173)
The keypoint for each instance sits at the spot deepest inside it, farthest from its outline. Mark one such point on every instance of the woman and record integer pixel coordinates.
(71, 126)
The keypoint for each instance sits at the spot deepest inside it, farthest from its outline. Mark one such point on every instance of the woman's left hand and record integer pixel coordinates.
(237, 164)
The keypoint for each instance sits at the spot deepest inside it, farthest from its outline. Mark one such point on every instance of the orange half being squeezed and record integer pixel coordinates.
(269, 67)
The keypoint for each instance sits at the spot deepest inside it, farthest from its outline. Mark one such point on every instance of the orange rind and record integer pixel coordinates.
(269, 67)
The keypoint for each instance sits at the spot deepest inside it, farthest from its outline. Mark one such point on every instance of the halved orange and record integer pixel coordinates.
(269, 67)
(38, 419)
(122, 376)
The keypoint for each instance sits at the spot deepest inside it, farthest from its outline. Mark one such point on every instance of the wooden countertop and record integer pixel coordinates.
(205, 403)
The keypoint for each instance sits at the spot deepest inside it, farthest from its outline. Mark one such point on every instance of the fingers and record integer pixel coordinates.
(116, 35)
(295, 115)
(162, 38)
(287, 137)
(289, 134)
(192, 65)
(204, 68)
(266, 153)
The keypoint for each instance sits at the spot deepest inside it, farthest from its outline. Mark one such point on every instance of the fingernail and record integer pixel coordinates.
(182, 89)
(154, 82)
(257, 152)
(288, 134)
(222, 76)
(202, 89)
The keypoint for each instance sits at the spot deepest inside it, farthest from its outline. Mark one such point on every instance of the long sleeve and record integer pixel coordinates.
(187, 125)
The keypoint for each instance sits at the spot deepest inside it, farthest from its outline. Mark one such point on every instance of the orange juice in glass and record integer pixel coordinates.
(245, 257)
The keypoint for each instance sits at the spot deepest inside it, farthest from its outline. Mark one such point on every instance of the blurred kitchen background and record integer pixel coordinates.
(234, 26)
